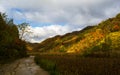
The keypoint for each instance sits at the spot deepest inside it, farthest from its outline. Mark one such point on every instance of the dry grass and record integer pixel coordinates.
(76, 65)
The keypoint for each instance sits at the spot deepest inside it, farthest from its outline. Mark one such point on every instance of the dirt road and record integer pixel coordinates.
(25, 66)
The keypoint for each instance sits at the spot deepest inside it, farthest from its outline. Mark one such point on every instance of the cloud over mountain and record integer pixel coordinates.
(75, 13)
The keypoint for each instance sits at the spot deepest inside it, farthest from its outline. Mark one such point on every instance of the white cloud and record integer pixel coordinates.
(41, 33)
(68, 11)
(74, 13)
(2, 9)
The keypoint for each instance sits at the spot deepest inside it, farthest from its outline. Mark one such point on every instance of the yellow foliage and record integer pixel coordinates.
(115, 39)
(29, 48)
(73, 39)
(89, 40)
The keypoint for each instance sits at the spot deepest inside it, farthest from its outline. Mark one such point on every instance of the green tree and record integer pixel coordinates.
(11, 47)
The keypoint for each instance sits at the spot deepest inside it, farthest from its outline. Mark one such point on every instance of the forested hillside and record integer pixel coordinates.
(101, 38)
(11, 47)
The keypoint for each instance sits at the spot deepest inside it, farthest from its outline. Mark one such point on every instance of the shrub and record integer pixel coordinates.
(47, 65)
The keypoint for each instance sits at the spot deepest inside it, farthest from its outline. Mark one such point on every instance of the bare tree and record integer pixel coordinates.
(24, 29)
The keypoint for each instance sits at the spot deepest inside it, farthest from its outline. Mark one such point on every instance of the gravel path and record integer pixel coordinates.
(25, 66)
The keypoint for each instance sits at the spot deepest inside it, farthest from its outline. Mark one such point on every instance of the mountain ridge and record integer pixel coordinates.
(88, 40)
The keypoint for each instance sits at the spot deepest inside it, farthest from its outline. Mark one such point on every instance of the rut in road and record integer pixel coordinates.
(25, 66)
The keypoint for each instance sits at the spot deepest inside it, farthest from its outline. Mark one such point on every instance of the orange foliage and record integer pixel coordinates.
(116, 27)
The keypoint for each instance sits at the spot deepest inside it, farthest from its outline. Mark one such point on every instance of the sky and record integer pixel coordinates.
(48, 18)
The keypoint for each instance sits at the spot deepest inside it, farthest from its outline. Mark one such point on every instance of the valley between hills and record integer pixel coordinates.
(94, 50)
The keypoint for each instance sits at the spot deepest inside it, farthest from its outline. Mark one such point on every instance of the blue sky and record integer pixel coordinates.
(57, 17)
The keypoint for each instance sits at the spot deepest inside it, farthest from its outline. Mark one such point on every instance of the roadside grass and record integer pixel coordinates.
(48, 65)
(75, 65)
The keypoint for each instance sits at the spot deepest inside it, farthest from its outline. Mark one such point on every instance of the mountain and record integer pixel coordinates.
(101, 38)
(30, 46)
